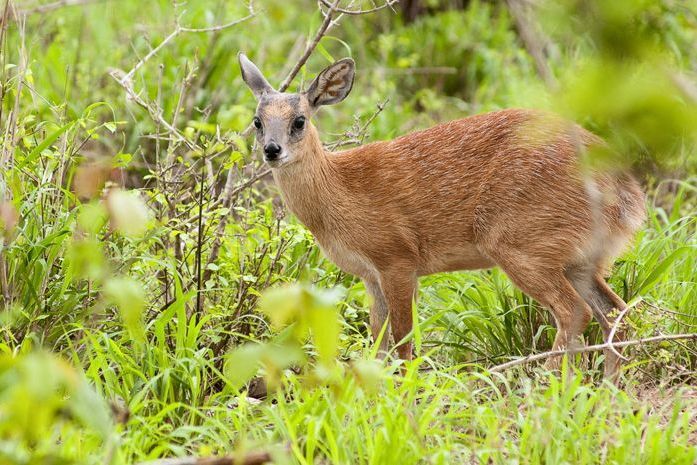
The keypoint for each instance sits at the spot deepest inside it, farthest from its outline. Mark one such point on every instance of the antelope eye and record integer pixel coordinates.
(257, 123)
(299, 122)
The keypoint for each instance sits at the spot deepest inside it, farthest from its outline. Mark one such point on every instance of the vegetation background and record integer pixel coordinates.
(139, 234)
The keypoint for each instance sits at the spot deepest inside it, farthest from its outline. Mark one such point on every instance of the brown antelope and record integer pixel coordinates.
(499, 189)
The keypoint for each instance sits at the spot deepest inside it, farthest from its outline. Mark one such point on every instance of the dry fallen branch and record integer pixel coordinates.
(254, 458)
(593, 348)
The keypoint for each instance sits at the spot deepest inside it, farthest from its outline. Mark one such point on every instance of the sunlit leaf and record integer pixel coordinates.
(129, 296)
(243, 363)
(127, 212)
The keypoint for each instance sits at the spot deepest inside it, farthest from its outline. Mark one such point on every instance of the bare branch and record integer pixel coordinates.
(222, 26)
(155, 113)
(388, 4)
(593, 348)
(616, 325)
(127, 77)
(357, 134)
(249, 182)
(179, 29)
(254, 458)
(532, 39)
(229, 194)
(324, 27)
(54, 6)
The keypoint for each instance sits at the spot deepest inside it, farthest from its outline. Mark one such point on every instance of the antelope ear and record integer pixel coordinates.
(253, 77)
(333, 84)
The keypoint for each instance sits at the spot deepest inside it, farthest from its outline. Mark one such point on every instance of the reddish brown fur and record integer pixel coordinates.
(502, 188)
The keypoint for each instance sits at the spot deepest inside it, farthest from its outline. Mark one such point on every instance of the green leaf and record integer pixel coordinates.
(308, 309)
(323, 319)
(127, 211)
(242, 364)
(128, 295)
(46, 143)
(662, 268)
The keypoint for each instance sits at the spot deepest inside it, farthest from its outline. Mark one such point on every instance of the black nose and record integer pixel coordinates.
(272, 150)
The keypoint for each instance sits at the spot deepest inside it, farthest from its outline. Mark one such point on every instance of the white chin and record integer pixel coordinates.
(277, 163)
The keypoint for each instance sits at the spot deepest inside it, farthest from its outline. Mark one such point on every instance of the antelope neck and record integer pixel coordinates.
(311, 189)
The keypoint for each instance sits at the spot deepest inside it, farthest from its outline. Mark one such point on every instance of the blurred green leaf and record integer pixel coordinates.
(129, 296)
(127, 211)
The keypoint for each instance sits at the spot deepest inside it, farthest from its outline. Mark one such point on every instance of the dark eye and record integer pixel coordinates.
(257, 123)
(299, 122)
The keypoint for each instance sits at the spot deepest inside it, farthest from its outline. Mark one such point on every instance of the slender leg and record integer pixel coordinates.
(399, 287)
(572, 315)
(378, 315)
(606, 305)
(552, 289)
(611, 307)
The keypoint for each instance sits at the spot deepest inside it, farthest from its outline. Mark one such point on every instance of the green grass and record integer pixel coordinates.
(434, 416)
(105, 356)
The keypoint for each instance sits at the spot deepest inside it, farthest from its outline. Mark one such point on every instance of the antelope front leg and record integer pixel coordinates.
(399, 287)
(378, 315)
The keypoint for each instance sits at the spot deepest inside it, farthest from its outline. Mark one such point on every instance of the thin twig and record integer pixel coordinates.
(672, 312)
(363, 131)
(230, 192)
(127, 77)
(254, 458)
(593, 348)
(324, 27)
(387, 4)
(199, 244)
(10, 137)
(180, 29)
(155, 113)
(532, 39)
(357, 134)
(616, 325)
(249, 182)
(222, 26)
(54, 6)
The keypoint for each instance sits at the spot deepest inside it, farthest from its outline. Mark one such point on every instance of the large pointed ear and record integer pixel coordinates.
(333, 84)
(253, 77)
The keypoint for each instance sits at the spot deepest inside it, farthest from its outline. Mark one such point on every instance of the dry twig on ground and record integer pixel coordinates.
(593, 348)
(253, 458)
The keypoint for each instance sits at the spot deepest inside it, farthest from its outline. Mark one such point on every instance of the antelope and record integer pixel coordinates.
(504, 189)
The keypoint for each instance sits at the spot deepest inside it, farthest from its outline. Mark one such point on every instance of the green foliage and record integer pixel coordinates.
(125, 278)
(631, 85)
(49, 412)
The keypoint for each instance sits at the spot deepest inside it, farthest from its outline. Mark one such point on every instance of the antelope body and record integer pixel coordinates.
(499, 189)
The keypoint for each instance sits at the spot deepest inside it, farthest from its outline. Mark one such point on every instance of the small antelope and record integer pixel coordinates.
(500, 189)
